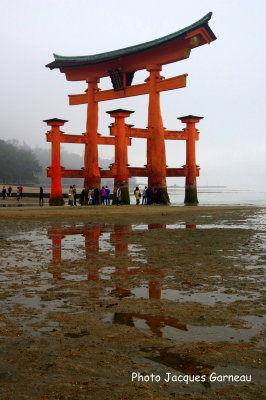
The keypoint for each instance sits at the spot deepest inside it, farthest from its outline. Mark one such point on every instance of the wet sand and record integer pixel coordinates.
(91, 295)
(124, 213)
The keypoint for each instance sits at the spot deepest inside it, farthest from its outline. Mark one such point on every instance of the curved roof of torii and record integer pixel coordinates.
(111, 57)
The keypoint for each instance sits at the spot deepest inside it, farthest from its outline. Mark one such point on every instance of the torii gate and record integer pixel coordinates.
(121, 65)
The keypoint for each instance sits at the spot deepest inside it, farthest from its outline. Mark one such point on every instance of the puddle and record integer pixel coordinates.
(29, 311)
(208, 298)
(154, 323)
(175, 330)
(210, 334)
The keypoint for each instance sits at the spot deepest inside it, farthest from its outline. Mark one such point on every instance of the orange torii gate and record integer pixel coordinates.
(120, 66)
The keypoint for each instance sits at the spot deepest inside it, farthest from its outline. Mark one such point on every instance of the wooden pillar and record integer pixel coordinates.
(92, 251)
(91, 165)
(56, 198)
(121, 153)
(191, 197)
(155, 290)
(118, 239)
(56, 235)
(156, 161)
(121, 246)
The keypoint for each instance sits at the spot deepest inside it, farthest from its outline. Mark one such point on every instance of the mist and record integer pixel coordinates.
(226, 81)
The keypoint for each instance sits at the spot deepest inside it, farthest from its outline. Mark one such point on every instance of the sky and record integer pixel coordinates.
(226, 80)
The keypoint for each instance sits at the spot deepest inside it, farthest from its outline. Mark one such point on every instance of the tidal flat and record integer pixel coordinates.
(91, 295)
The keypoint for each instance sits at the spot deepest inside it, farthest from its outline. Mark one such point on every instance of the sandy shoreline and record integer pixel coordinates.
(97, 213)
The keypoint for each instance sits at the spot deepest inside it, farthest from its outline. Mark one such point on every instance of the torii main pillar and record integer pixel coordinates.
(156, 161)
(92, 172)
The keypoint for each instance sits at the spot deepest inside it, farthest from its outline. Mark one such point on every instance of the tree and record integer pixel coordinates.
(18, 164)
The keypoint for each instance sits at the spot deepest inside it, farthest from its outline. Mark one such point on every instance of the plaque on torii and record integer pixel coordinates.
(120, 66)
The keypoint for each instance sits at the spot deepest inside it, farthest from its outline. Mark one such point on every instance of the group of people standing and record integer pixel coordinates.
(149, 195)
(72, 195)
(93, 196)
(7, 192)
(96, 196)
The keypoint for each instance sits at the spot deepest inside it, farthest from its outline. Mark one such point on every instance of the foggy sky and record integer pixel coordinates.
(226, 80)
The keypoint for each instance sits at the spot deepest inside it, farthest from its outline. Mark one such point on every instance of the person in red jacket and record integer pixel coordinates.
(20, 188)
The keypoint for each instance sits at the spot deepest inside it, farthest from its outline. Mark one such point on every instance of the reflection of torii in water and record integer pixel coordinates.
(118, 238)
(155, 322)
(92, 234)
(119, 235)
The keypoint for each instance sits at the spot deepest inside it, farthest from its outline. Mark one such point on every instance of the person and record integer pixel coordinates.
(18, 194)
(41, 196)
(144, 196)
(82, 196)
(154, 195)
(86, 196)
(90, 195)
(96, 195)
(70, 196)
(118, 196)
(4, 192)
(137, 194)
(75, 195)
(159, 196)
(102, 194)
(107, 195)
(10, 191)
(148, 194)
(20, 191)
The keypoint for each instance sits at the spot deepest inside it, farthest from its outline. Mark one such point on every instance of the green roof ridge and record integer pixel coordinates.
(135, 48)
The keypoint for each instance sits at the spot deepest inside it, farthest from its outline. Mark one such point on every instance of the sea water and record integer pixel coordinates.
(219, 196)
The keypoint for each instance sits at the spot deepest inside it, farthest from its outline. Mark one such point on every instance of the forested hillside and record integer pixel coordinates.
(21, 164)
(18, 164)
(69, 161)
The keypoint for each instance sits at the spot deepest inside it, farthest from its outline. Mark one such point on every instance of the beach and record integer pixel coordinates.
(132, 302)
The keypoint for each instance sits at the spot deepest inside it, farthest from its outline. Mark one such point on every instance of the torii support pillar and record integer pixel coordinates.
(120, 167)
(92, 251)
(56, 198)
(191, 197)
(56, 266)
